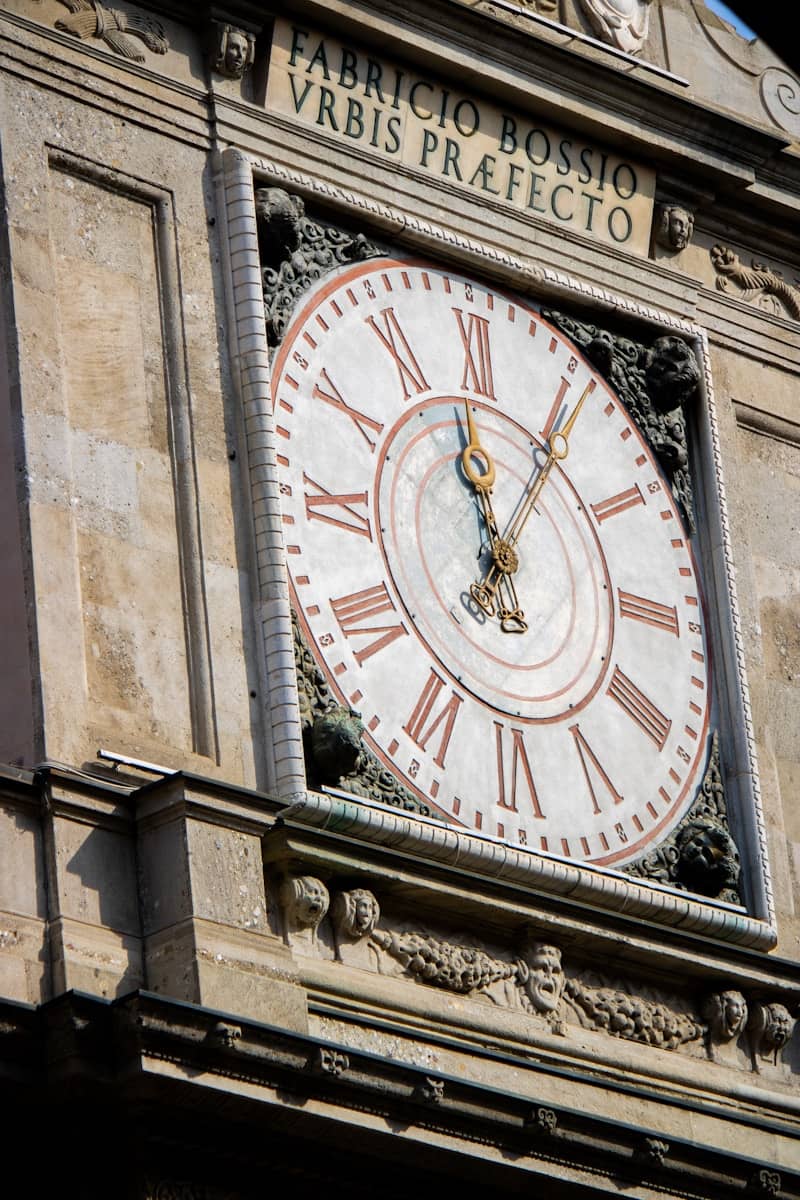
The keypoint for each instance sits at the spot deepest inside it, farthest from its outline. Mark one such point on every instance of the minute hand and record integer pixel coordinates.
(558, 449)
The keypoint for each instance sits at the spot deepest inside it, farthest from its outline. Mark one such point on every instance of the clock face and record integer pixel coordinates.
(529, 658)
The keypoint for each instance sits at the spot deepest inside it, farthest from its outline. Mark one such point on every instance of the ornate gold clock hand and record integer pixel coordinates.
(503, 564)
(504, 553)
(558, 449)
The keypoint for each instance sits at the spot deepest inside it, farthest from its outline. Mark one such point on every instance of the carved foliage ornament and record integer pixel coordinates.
(91, 19)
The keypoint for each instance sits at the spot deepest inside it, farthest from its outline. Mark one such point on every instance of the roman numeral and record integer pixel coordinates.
(333, 396)
(353, 611)
(477, 375)
(395, 341)
(555, 407)
(422, 724)
(343, 502)
(650, 612)
(520, 766)
(596, 774)
(639, 708)
(617, 504)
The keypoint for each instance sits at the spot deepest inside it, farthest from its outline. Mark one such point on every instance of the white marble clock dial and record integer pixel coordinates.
(579, 729)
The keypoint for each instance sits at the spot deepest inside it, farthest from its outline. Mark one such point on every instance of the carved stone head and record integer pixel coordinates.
(336, 743)
(234, 51)
(543, 976)
(726, 1013)
(305, 901)
(675, 227)
(708, 861)
(672, 373)
(280, 224)
(773, 1026)
(355, 914)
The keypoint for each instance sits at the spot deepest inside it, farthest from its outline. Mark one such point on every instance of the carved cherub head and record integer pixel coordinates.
(356, 913)
(543, 976)
(726, 1013)
(234, 51)
(305, 901)
(675, 227)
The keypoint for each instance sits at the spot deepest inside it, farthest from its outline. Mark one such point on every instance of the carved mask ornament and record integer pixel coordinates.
(545, 977)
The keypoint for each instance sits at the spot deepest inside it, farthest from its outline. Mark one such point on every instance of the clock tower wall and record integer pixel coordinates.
(400, 461)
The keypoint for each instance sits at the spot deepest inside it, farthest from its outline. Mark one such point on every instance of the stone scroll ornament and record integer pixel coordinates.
(756, 284)
(91, 19)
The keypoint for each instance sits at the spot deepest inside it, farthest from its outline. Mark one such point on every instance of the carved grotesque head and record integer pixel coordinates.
(234, 51)
(545, 976)
(675, 227)
(355, 913)
(726, 1013)
(708, 861)
(672, 373)
(336, 743)
(778, 1026)
(305, 901)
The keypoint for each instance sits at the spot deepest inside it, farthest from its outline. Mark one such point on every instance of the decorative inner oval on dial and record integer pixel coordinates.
(435, 544)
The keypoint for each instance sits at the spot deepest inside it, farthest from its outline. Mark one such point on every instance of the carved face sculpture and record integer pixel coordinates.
(779, 1026)
(306, 900)
(680, 228)
(672, 373)
(357, 912)
(675, 228)
(236, 53)
(546, 979)
(730, 1016)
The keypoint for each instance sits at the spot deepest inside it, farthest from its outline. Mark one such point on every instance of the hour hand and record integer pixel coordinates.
(479, 469)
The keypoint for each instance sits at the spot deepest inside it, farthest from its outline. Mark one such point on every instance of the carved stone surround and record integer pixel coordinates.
(423, 236)
(657, 383)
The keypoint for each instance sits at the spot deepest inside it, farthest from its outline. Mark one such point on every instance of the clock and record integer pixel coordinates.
(488, 564)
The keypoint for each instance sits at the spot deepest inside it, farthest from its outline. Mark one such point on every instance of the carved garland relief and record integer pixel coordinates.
(536, 982)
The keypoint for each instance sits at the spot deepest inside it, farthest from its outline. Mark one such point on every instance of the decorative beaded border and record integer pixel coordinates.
(373, 822)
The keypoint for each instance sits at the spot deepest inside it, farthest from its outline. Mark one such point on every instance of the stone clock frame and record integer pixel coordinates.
(373, 823)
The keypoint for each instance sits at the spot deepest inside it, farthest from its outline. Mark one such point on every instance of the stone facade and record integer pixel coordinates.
(220, 912)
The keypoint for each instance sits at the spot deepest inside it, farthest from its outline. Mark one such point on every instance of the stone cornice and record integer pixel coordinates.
(153, 1048)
